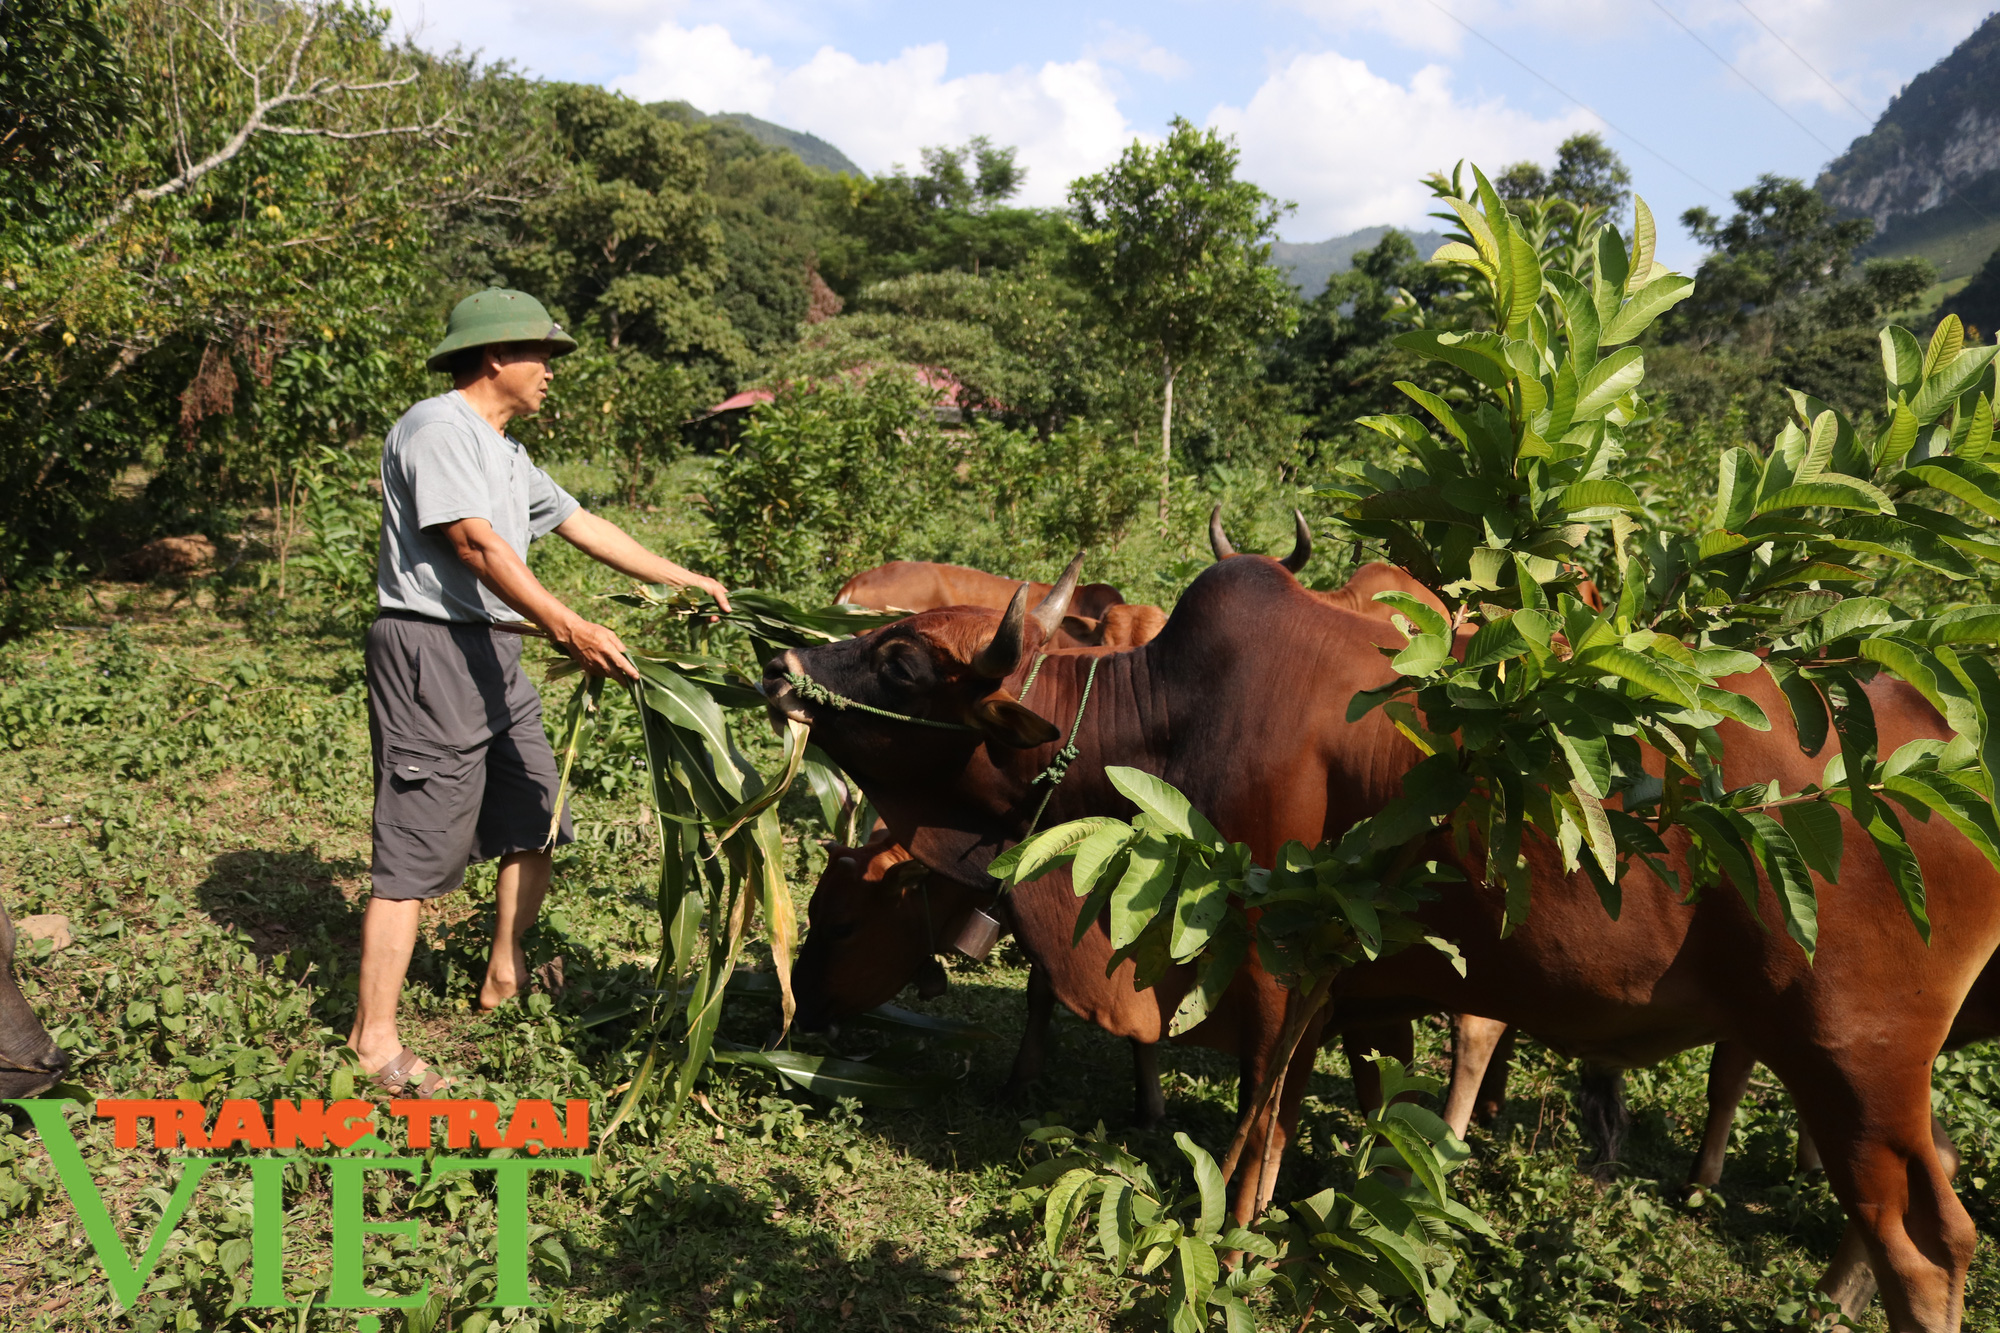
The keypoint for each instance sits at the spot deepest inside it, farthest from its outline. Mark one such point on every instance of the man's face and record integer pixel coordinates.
(522, 376)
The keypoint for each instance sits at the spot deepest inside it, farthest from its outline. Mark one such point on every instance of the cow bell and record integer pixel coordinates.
(978, 936)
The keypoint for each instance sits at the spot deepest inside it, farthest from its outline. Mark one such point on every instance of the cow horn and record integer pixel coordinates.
(1049, 614)
(1302, 549)
(1000, 656)
(1216, 537)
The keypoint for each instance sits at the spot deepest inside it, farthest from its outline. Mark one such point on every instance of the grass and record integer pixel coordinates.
(188, 781)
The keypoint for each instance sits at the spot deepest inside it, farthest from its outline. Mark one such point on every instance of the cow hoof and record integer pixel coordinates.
(1012, 1095)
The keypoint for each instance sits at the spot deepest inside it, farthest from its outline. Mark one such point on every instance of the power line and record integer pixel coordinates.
(1950, 189)
(1724, 60)
(1780, 39)
(1567, 96)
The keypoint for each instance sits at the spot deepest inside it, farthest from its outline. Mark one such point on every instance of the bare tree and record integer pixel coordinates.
(279, 79)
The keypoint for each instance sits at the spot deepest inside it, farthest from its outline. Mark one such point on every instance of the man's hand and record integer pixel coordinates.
(597, 647)
(603, 540)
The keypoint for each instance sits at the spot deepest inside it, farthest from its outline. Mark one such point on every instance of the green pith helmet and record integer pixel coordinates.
(498, 315)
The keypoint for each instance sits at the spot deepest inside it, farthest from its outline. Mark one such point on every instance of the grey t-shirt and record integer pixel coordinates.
(442, 462)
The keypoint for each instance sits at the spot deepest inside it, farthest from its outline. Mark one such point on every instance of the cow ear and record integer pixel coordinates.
(1008, 722)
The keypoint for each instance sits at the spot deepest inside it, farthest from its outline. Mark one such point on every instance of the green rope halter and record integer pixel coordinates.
(1058, 767)
(811, 690)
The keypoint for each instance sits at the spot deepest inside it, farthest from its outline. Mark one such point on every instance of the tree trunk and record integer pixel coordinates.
(1166, 440)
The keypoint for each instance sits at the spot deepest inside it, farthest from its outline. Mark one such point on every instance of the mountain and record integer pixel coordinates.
(1929, 171)
(1311, 263)
(808, 148)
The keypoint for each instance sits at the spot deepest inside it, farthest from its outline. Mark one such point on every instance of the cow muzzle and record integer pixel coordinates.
(780, 700)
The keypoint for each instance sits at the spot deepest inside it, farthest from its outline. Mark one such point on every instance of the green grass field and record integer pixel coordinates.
(187, 780)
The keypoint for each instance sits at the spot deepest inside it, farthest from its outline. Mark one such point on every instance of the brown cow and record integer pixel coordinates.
(919, 585)
(1241, 703)
(874, 928)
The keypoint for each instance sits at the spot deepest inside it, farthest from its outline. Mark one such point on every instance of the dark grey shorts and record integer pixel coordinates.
(463, 769)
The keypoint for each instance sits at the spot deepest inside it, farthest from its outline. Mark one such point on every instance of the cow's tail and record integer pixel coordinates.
(1601, 1112)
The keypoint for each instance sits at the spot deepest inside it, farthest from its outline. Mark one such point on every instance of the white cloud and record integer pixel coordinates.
(1063, 117)
(1866, 48)
(1133, 49)
(1349, 145)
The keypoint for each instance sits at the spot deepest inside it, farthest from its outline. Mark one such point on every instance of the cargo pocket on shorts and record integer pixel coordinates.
(422, 787)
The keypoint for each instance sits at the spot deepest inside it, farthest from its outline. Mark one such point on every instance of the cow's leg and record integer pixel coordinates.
(1149, 1103)
(1875, 1130)
(1029, 1059)
(1493, 1088)
(1849, 1279)
(1474, 1043)
(1600, 1105)
(1728, 1080)
(1808, 1160)
(1361, 1044)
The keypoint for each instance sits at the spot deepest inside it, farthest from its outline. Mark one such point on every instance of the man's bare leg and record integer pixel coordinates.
(388, 936)
(523, 883)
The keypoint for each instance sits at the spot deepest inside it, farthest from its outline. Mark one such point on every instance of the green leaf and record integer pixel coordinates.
(1979, 431)
(1601, 493)
(1426, 1167)
(1817, 833)
(1050, 849)
(1724, 839)
(822, 1074)
(1497, 641)
(1198, 909)
(1819, 447)
(1943, 387)
(1096, 853)
(1639, 275)
(1740, 473)
(1608, 381)
(1199, 1270)
(1947, 340)
(1437, 407)
(1962, 807)
(1481, 355)
(1218, 967)
(1645, 672)
(1831, 494)
(1648, 304)
(1059, 1210)
(1421, 613)
(1786, 869)
(1158, 798)
(1898, 437)
(1527, 283)
(1115, 1223)
(1962, 478)
(1149, 877)
(1208, 1183)
(1902, 361)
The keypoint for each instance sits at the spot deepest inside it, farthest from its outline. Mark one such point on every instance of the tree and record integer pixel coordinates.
(1783, 244)
(210, 263)
(1341, 363)
(1174, 251)
(629, 247)
(1587, 174)
(953, 215)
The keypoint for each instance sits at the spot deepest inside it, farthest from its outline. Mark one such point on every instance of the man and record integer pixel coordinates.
(463, 770)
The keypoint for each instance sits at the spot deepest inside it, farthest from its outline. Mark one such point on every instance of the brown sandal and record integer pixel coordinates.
(400, 1072)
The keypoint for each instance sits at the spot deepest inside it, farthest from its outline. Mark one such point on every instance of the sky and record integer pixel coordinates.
(1339, 107)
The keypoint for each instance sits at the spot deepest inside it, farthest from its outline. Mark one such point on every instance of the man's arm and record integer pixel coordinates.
(606, 542)
(493, 562)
